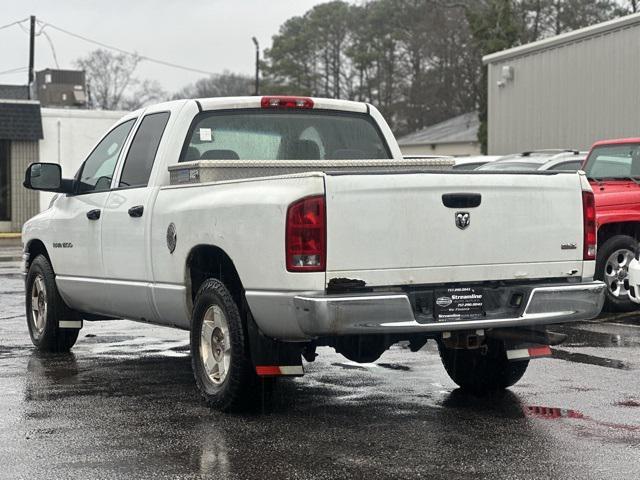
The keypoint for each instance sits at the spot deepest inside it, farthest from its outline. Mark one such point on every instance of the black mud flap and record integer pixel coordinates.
(272, 358)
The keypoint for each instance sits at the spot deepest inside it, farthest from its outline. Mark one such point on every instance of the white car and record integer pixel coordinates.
(269, 226)
(634, 280)
(474, 161)
(541, 160)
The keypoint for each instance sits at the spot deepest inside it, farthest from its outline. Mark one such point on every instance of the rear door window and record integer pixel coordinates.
(143, 149)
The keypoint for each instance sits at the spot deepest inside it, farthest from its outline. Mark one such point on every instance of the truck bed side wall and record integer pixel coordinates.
(245, 219)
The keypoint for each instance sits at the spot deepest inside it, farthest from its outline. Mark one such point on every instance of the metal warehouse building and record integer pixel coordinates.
(566, 91)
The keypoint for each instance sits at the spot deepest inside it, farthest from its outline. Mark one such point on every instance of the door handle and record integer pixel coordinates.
(93, 214)
(136, 211)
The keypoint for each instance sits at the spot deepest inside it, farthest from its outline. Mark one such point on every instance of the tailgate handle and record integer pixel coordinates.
(461, 200)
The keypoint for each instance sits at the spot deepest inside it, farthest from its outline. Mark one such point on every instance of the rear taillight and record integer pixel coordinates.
(306, 237)
(286, 102)
(589, 221)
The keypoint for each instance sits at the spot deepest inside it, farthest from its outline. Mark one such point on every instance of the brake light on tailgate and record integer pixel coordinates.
(589, 221)
(306, 235)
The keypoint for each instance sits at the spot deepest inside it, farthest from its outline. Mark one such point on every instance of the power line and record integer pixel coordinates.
(117, 49)
(53, 50)
(17, 22)
(48, 38)
(13, 70)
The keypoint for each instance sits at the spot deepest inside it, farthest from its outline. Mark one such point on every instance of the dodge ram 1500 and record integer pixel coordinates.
(349, 252)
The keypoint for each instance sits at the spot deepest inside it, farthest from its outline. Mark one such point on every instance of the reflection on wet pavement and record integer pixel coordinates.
(123, 405)
(588, 359)
(551, 412)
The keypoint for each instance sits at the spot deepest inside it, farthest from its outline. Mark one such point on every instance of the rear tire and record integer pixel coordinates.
(612, 267)
(220, 356)
(45, 309)
(482, 373)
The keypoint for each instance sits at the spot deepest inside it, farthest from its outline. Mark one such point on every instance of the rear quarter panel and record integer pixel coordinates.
(245, 218)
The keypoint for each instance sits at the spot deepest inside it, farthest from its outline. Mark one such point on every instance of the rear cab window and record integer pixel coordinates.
(258, 134)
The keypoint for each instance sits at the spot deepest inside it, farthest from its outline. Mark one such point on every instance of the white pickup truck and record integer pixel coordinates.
(263, 270)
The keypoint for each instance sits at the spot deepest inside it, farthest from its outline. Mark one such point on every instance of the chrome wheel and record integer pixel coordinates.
(215, 346)
(616, 273)
(38, 304)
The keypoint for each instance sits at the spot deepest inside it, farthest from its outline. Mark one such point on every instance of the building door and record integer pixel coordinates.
(5, 186)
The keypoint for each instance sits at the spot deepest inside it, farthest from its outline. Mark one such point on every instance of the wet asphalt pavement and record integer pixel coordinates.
(123, 405)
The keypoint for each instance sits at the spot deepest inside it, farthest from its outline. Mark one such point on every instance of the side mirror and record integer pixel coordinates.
(45, 176)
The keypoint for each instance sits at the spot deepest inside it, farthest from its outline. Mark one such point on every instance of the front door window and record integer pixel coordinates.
(97, 171)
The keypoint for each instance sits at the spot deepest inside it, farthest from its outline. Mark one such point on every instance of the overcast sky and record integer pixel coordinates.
(211, 35)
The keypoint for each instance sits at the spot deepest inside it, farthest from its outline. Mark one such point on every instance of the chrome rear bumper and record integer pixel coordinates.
(329, 315)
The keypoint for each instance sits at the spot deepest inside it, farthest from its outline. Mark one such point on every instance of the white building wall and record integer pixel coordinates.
(69, 136)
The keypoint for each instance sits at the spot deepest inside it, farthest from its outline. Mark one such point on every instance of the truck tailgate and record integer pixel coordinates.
(395, 229)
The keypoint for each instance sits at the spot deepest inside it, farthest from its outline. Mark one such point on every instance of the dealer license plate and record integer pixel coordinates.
(459, 303)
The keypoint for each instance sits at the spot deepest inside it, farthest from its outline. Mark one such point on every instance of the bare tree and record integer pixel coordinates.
(113, 86)
(109, 75)
(226, 84)
(144, 93)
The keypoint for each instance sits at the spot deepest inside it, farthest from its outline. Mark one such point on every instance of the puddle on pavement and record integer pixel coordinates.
(589, 359)
(503, 404)
(585, 337)
(394, 366)
(7, 352)
(349, 366)
(126, 346)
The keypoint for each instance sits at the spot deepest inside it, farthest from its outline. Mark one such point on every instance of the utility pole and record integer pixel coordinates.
(255, 42)
(32, 39)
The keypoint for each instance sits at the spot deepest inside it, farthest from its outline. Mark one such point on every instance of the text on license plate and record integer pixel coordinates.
(458, 303)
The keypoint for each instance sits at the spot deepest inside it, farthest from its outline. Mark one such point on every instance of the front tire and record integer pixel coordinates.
(479, 371)
(219, 350)
(612, 267)
(45, 309)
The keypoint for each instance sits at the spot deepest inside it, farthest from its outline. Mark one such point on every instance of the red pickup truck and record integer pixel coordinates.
(613, 168)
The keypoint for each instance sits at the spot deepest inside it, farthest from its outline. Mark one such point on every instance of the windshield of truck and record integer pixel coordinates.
(614, 161)
(284, 135)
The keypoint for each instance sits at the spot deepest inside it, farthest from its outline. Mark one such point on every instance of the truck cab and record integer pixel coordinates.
(613, 170)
